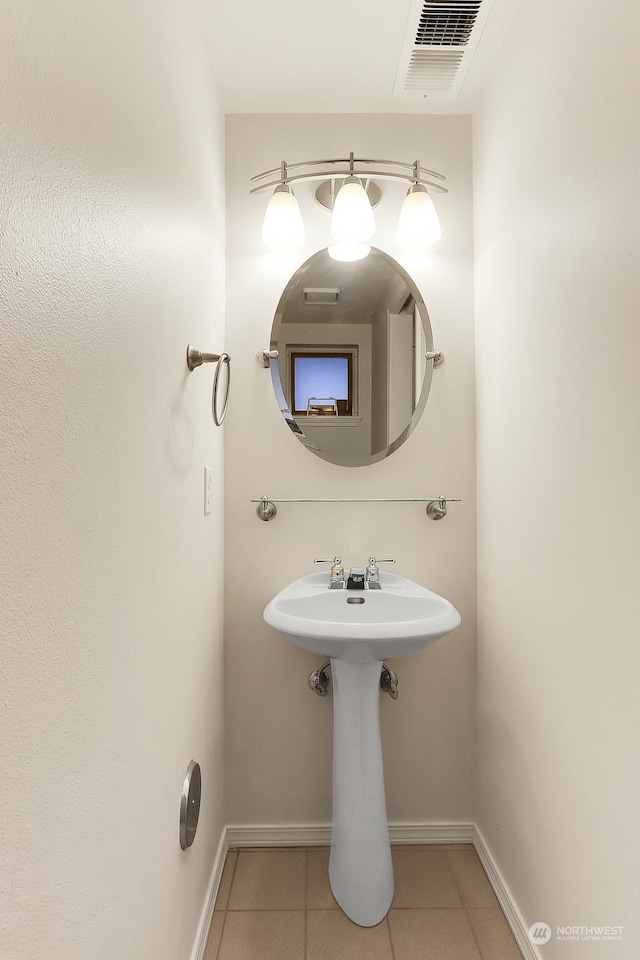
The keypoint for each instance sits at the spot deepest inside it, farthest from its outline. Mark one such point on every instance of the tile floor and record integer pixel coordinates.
(276, 904)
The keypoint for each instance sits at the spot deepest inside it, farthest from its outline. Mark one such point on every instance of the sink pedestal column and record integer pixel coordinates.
(360, 868)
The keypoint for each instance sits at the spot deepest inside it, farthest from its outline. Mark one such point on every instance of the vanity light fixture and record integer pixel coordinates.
(348, 188)
(282, 228)
(418, 225)
(352, 219)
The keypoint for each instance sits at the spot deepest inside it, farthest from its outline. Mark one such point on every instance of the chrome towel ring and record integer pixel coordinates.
(195, 358)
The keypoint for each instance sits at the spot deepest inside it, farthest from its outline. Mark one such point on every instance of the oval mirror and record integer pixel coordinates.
(351, 375)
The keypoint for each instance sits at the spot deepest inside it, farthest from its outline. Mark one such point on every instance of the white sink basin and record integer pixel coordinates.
(358, 629)
(361, 625)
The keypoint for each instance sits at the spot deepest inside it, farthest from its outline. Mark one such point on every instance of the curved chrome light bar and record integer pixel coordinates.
(355, 166)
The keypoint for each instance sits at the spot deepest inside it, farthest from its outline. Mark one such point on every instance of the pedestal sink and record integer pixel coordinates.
(358, 629)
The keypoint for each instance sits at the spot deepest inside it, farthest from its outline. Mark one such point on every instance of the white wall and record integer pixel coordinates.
(556, 153)
(279, 733)
(110, 575)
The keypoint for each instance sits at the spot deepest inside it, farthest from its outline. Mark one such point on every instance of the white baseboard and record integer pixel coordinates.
(210, 899)
(437, 832)
(309, 835)
(279, 835)
(509, 907)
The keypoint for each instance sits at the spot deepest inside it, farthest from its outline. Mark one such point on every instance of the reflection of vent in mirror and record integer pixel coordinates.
(444, 23)
(321, 295)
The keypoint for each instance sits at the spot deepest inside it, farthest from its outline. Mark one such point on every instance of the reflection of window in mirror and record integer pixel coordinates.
(320, 377)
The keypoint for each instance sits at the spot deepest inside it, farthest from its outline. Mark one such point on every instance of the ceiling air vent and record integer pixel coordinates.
(441, 38)
(432, 70)
(446, 24)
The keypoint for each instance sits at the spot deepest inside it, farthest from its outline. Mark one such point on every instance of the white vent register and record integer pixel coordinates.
(441, 39)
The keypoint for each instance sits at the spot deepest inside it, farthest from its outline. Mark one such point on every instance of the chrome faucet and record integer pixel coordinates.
(373, 572)
(336, 579)
(359, 578)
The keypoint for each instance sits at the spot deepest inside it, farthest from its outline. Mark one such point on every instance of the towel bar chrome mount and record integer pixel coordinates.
(436, 508)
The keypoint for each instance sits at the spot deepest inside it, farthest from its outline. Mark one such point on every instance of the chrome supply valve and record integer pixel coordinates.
(336, 579)
(373, 573)
(319, 680)
(389, 682)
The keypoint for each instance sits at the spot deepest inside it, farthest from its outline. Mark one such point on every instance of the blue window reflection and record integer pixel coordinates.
(320, 377)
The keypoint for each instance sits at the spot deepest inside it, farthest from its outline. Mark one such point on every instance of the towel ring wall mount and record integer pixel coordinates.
(195, 358)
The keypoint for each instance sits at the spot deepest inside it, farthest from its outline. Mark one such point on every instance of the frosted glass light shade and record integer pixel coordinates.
(352, 218)
(347, 251)
(282, 228)
(418, 225)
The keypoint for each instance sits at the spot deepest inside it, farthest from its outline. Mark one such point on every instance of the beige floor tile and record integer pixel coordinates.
(332, 936)
(494, 937)
(225, 883)
(269, 880)
(213, 940)
(474, 887)
(319, 895)
(432, 935)
(258, 935)
(423, 879)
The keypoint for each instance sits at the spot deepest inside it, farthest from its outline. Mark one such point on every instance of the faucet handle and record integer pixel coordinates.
(336, 577)
(373, 573)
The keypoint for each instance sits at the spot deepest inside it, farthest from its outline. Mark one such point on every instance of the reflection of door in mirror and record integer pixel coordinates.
(400, 373)
(419, 355)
